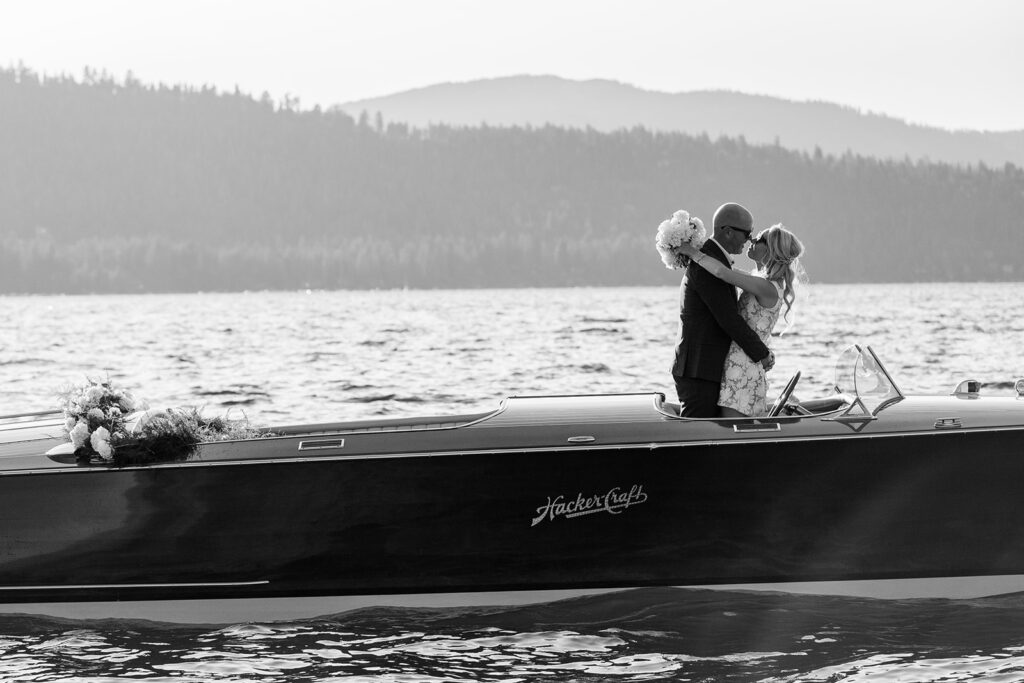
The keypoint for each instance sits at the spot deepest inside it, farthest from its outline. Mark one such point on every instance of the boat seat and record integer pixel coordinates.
(827, 404)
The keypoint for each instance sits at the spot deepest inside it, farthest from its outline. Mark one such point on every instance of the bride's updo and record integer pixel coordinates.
(782, 263)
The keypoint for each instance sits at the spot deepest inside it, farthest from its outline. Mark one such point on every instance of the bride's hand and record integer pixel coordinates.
(688, 250)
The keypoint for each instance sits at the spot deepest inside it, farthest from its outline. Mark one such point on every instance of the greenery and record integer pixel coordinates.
(108, 426)
(175, 435)
(111, 185)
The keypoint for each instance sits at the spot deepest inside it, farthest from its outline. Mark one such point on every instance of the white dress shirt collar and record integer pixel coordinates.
(727, 254)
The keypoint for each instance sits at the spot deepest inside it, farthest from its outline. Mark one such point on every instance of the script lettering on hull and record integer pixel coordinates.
(614, 502)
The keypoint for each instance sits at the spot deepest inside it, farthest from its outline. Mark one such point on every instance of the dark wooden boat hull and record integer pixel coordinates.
(750, 511)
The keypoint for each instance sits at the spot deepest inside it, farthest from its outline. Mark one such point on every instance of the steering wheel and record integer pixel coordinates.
(780, 402)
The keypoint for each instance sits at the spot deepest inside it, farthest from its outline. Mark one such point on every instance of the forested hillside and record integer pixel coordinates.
(608, 105)
(109, 185)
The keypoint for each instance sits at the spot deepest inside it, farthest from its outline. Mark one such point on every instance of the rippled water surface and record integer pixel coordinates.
(315, 356)
(640, 635)
(298, 356)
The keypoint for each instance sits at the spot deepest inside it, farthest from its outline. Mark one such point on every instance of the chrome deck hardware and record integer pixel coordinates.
(756, 427)
(320, 444)
(968, 387)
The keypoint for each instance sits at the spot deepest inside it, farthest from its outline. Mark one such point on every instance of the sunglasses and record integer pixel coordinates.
(746, 233)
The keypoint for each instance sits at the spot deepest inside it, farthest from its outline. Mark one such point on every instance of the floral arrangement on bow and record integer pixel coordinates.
(95, 417)
(681, 229)
(110, 426)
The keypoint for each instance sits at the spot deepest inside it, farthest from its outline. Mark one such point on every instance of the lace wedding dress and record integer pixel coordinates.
(744, 387)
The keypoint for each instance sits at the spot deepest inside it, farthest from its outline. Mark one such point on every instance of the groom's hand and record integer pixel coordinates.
(768, 362)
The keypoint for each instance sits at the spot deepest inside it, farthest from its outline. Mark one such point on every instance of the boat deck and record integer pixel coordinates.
(549, 423)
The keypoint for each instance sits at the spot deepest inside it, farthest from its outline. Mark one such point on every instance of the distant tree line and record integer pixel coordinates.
(111, 185)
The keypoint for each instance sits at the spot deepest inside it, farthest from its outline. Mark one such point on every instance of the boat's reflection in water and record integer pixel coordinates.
(642, 635)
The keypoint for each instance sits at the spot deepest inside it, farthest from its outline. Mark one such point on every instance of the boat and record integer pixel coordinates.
(865, 491)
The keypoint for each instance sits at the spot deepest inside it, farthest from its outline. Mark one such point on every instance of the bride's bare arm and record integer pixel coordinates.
(763, 291)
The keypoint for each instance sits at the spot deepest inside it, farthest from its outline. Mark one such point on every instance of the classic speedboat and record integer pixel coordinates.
(864, 492)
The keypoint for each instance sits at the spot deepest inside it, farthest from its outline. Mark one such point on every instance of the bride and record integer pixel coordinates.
(776, 251)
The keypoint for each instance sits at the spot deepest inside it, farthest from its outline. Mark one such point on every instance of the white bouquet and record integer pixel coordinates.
(94, 416)
(682, 228)
(107, 425)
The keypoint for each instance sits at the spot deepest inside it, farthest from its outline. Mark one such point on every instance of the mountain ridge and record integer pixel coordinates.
(128, 187)
(608, 105)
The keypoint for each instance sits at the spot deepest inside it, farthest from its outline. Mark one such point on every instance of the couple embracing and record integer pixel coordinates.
(723, 355)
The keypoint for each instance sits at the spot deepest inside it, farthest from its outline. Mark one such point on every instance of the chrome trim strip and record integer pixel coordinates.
(38, 413)
(217, 584)
(614, 393)
(34, 425)
(384, 430)
(498, 451)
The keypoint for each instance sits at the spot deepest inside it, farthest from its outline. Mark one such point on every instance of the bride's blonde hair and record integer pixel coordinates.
(782, 263)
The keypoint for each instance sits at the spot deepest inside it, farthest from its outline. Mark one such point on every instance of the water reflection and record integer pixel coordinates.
(643, 635)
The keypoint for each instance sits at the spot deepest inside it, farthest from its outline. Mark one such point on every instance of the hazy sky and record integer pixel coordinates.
(949, 63)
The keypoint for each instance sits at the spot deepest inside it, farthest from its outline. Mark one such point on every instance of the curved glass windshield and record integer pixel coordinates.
(859, 374)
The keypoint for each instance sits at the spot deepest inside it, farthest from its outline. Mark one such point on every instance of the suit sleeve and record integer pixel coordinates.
(720, 298)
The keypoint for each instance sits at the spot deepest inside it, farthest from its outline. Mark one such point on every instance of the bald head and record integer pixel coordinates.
(733, 215)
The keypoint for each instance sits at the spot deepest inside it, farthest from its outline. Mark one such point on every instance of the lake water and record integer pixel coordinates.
(290, 357)
(314, 356)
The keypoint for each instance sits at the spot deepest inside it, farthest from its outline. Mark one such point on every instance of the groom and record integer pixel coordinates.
(711, 320)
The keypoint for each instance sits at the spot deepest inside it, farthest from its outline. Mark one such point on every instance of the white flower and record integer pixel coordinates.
(79, 434)
(114, 412)
(96, 414)
(70, 422)
(100, 441)
(672, 233)
(94, 393)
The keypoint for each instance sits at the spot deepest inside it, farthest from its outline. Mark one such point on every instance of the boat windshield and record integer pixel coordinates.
(860, 375)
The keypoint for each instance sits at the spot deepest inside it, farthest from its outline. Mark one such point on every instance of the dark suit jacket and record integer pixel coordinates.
(711, 321)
